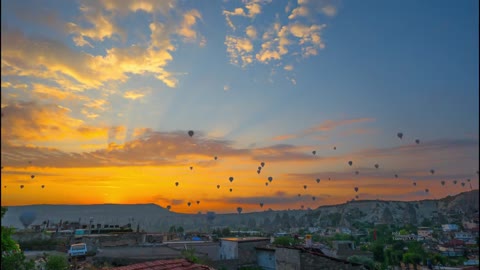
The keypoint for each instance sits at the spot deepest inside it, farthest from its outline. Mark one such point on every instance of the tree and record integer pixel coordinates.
(226, 232)
(12, 257)
(56, 262)
(362, 260)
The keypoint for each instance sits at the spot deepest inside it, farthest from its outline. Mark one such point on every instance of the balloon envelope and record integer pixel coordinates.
(318, 180)
(190, 133)
(400, 135)
(314, 152)
(231, 179)
(270, 179)
(350, 163)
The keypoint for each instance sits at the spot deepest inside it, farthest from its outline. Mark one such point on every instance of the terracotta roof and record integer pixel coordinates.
(177, 264)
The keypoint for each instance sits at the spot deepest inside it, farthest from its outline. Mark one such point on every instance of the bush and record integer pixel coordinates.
(57, 262)
(39, 244)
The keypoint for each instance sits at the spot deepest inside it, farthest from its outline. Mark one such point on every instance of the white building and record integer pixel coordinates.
(449, 227)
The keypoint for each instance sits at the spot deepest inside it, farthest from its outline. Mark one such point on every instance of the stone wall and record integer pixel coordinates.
(295, 259)
(287, 259)
(311, 262)
(247, 254)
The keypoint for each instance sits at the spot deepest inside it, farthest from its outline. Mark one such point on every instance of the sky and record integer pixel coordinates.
(98, 97)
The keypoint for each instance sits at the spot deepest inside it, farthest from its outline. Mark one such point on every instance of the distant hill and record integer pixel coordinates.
(152, 217)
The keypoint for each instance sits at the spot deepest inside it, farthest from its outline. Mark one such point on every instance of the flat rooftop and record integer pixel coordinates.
(245, 239)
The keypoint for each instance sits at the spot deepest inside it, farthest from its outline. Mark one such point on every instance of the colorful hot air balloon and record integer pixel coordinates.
(190, 133)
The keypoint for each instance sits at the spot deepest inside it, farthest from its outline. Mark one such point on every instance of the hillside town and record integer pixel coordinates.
(382, 244)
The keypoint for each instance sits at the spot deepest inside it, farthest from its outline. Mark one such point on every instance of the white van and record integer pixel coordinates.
(78, 250)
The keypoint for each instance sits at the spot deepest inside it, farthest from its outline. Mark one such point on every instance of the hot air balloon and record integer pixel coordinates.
(32, 176)
(302, 206)
(454, 182)
(190, 133)
(261, 204)
(356, 189)
(396, 175)
(191, 168)
(231, 179)
(218, 186)
(356, 172)
(231, 190)
(432, 171)
(262, 164)
(305, 187)
(356, 196)
(350, 163)
(176, 184)
(318, 180)
(376, 166)
(259, 168)
(314, 152)
(426, 190)
(43, 186)
(334, 148)
(215, 158)
(270, 179)
(239, 210)
(258, 171)
(417, 141)
(4, 186)
(313, 198)
(468, 180)
(189, 203)
(198, 202)
(463, 184)
(414, 183)
(168, 207)
(400, 135)
(266, 183)
(443, 183)
(21, 186)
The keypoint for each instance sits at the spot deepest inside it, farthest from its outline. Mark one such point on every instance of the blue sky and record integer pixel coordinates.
(276, 79)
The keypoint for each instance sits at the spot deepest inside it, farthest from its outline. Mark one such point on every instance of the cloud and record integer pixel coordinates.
(189, 20)
(239, 50)
(328, 125)
(47, 92)
(135, 94)
(30, 122)
(288, 67)
(251, 32)
(226, 87)
(310, 8)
